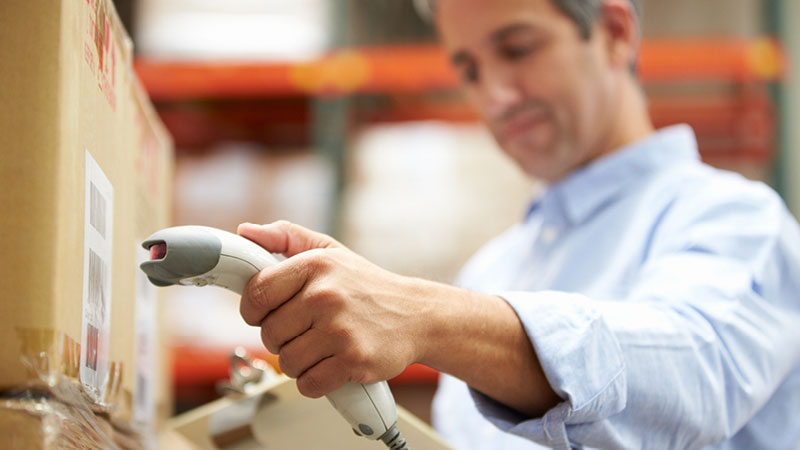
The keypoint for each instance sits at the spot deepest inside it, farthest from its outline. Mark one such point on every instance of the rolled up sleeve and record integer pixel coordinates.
(569, 336)
(702, 340)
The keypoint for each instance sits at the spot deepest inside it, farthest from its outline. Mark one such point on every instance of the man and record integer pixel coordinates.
(647, 300)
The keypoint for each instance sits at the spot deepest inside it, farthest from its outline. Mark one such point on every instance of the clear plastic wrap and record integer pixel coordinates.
(53, 410)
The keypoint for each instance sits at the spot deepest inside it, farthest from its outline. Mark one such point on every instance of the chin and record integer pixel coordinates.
(544, 173)
(537, 162)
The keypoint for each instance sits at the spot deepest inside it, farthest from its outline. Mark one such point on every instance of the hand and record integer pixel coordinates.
(330, 315)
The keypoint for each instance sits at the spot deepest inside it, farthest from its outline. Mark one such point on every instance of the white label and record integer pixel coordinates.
(144, 395)
(97, 244)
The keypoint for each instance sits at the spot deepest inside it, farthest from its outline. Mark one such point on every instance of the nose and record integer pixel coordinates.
(498, 92)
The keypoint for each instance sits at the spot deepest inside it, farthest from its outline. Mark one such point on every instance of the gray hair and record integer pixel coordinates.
(582, 12)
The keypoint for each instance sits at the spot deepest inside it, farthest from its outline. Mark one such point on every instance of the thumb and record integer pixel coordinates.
(286, 238)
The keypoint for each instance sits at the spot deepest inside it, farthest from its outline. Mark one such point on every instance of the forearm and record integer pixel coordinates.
(479, 339)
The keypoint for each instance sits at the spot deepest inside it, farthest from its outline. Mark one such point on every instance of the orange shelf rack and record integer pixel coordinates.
(192, 366)
(425, 67)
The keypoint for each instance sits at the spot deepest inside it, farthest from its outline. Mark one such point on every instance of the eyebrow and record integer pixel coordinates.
(462, 56)
(508, 30)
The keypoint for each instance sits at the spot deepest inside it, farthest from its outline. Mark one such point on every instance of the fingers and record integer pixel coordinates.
(275, 299)
(286, 238)
(324, 377)
(271, 288)
(304, 351)
(285, 323)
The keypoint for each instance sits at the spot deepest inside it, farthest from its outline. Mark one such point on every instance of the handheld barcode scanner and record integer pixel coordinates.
(202, 256)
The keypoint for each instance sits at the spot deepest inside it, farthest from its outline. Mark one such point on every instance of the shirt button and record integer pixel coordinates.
(549, 234)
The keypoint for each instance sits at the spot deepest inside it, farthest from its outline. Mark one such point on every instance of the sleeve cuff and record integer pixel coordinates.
(580, 357)
(549, 430)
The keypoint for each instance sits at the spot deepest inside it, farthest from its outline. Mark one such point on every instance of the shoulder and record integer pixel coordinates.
(718, 211)
(491, 255)
(701, 192)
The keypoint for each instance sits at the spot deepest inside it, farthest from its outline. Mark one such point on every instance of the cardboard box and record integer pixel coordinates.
(57, 416)
(450, 180)
(85, 166)
(264, 30)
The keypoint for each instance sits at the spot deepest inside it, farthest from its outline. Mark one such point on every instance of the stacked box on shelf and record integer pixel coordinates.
(85, 167)
(449, 185)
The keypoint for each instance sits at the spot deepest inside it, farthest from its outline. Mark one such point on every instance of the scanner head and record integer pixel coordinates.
(178, 253)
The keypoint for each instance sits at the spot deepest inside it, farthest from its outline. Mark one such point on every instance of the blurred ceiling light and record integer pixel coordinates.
(236, 30)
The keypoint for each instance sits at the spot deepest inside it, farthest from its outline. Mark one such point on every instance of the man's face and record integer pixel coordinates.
(546, 93)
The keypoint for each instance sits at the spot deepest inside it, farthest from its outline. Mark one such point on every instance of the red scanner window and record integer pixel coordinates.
(158, 251)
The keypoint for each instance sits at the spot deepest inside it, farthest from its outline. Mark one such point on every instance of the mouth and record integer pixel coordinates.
(521, 124)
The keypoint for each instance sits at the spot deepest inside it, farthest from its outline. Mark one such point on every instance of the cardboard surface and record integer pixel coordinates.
(277, 416)
(69, 97)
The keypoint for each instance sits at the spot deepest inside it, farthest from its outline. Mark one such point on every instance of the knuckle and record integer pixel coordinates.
(325, 297)
(245, 308)
(287, 366)
(254, 299)
(323, 293)
(269, 337)
(284, 226)
(319, 259)
(310, 386)
(363, 377)
(355, 356)
(345, 337)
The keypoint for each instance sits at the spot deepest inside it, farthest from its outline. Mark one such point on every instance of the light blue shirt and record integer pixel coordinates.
(662, 298)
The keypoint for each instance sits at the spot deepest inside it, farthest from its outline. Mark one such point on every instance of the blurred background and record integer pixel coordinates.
(344, 116)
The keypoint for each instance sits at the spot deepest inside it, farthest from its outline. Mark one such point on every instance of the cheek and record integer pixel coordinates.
(584, 103)
(595, 111)
(555, 84)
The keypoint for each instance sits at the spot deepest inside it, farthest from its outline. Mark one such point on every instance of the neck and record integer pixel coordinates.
(631, 120)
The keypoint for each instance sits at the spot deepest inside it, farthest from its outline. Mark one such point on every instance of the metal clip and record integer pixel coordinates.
(246, 372)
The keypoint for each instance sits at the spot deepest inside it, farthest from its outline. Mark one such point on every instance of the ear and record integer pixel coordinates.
(620, 25)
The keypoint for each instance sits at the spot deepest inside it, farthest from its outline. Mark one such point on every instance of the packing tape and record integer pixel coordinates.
(67, 416)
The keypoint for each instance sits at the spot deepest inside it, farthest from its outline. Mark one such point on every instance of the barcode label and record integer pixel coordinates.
(92, 339)
(98, 280)
(97, 210)
(97, 272)
(141, 390)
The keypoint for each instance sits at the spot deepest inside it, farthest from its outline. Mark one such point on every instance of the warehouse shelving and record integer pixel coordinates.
(269, 101)
(196, 366)
(424, 67)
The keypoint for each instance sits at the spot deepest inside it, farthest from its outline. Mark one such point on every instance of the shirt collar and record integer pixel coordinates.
(585, 190)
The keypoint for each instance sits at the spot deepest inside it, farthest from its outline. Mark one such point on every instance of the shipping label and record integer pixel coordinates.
(146, 363)
(96, 311)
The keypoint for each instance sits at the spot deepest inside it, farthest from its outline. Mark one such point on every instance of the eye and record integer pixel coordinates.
(517, 51)
(466, 66)
(469, 72)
